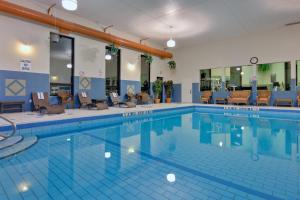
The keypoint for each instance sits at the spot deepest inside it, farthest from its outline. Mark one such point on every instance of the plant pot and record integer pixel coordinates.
(157, 101)
(168, 100)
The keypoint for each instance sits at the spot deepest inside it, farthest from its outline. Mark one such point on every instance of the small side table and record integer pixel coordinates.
(221, 100)
(11, 106)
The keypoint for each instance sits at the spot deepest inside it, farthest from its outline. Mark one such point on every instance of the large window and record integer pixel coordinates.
(238, 78)
(112, 72)
(61, 63)
(145, 75)
(274, 76)
(211, 79)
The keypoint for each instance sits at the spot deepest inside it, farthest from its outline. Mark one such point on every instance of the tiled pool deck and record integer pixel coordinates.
(30, 117)
(33, 117)
(196, 181)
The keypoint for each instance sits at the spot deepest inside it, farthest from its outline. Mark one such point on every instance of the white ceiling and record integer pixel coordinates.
(194, 21)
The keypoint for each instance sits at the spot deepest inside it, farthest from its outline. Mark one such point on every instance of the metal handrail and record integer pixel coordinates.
(14, 128)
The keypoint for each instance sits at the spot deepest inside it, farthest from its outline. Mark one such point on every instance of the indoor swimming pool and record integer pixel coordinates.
(187, 153)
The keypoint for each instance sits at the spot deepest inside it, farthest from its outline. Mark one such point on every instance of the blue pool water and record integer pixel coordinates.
(184, 154)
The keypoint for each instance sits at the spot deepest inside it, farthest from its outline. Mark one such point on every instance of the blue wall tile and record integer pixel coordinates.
(97, 90)
(284, 94)
(196, 92)
(293, 85)
(176, 96)
(35, 82)
(253, 93)
(125, 83)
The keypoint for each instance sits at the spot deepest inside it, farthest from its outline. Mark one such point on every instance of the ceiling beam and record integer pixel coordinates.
(35, 16)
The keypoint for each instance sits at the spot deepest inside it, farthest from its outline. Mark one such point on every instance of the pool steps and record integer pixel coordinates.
(11, 144)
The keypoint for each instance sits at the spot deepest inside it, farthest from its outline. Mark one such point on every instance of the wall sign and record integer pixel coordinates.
(25, 65)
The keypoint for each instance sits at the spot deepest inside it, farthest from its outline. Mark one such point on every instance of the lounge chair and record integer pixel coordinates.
(263, 97)
(85, 101)
(239, 97)
(298, 99)
(145, 98)
(131, 97)
(41, 104)
(65, 98)
(206, 96)
(117, 102)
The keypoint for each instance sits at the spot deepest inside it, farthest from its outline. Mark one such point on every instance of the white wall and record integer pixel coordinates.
(275, 46)
(89, 53)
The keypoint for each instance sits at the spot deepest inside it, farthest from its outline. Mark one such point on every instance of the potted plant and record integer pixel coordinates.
(157, 89)
(264, 67)
(113, 49)
(148, 58)
(168, 88)
(172, 64)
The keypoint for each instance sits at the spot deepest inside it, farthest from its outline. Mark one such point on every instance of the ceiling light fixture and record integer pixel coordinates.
(171, 43)
(69, 4)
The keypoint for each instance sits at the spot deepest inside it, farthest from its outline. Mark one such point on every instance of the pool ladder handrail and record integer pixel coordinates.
(14, 128)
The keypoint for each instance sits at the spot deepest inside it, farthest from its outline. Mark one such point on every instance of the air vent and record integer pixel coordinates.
(293, 23)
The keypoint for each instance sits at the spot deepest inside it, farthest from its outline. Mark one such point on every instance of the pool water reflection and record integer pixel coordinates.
(186, 155)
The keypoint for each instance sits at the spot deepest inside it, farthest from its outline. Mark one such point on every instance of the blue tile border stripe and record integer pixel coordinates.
(196, 173)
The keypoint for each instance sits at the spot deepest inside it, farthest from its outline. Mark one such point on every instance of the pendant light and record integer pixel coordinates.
(69, 4)
(171, 43)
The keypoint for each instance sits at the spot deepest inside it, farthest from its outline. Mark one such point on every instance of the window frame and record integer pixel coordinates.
(149, 76)
(72, 62)
(107, 48)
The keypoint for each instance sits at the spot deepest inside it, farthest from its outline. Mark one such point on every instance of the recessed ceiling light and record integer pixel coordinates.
(69, 4)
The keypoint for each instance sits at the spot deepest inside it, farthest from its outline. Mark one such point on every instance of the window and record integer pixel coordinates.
(145, 75)
(211, 79)
(238, 78)
(205, 77)
(61, 64)
(112, 72)
(274, 76)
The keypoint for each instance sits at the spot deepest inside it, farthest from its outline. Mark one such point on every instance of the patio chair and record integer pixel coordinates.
(298, 99)
(205, 97)
(145, 98)
(263, 97)
(115, 99)
(85, 101)
(65, 98)
(239, 97)
(131, 97)
(41, 104)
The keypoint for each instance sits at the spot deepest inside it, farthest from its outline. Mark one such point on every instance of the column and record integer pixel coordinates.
(293, 75)
(254, 84)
